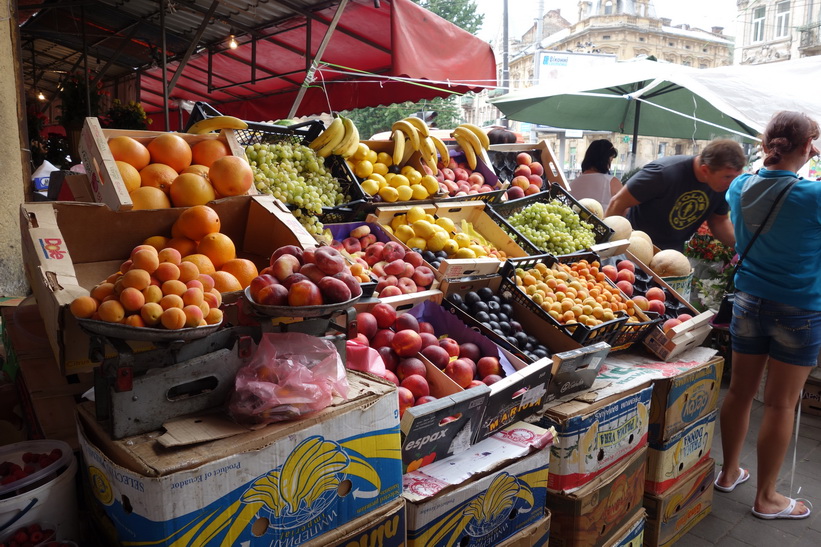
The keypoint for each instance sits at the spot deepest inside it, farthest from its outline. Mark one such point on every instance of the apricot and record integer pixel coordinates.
(136, 278)
(166, 271)
(84, 307)
(174, 286)
(145, 260)
(152, 293)
(99, 292)
(188, 271)
(172, 301)
(151, 313)
(173, 318)
(193, 315)
(134, 321)
(207, 281)
(132, 299)
(111, 311)
(192, 296)
(170, 254)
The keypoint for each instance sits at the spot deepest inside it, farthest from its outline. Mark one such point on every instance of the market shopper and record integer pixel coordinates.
(670, 197)
(596, 181)
(776, 320)
(500, 135)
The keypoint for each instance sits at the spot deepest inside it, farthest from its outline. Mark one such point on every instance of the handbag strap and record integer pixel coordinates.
(778, 198)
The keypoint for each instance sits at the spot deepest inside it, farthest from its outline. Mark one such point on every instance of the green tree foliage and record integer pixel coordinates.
(372, 120)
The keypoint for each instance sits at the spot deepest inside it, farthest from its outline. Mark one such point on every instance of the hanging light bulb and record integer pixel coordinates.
(233, 43)
(40, 96)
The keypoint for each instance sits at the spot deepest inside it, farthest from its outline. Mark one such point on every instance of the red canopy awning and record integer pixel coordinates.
(369, 46)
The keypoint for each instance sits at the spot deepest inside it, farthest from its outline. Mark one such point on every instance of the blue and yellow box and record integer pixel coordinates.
(668, 461)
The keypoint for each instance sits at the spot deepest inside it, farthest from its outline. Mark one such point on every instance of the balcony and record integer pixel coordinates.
(810, 39)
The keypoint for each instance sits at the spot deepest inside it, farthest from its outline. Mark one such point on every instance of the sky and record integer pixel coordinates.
(703, 14)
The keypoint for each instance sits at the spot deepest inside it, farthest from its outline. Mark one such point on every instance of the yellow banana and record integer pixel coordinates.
(419, 124)
(441, 148)
(409, 130)
(481, 135)
(467, 148)
(332, 134)
(350, 141)
(471, 137)
(216, 123)
(398, 146)
(428, 153)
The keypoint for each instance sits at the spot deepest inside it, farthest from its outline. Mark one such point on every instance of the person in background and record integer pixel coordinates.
(670, 197)
(595, 180)
(776, 319)
(501, 135)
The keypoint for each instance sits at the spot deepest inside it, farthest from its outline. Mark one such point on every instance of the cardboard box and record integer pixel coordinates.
(66, 253)
(541, 152)
(592, 438)
(668, 461)
(631, 534)
(482, 496)
(383, 527)
(811, 397)
(535, 535)
(107, 184)
(261, 485)
(592, 516)
(675, 512)
(575, 371)
(681, 400)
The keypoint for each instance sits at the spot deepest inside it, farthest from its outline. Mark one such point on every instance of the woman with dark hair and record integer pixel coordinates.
(596, 181)
(776, 321)
(500, 135)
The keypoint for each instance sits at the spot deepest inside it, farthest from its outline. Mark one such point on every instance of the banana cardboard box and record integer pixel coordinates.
(107, 184)
(674, 513)
(594, 514)
(70, 247)
(535, 535)
(668, 461)
(631, 534)
(680, 400)
(481, 496)
(382, 527)
(283, 485)
(593, 437)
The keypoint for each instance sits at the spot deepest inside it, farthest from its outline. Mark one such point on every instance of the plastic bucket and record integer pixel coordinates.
(47, 496)
(682, 285)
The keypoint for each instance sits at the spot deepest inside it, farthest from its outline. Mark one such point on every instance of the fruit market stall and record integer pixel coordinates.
(272, 365)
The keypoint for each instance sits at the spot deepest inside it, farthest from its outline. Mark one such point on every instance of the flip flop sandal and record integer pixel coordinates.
(743, 477)
(786, 513)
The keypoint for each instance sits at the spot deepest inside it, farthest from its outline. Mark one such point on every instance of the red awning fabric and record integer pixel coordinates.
(370, 45)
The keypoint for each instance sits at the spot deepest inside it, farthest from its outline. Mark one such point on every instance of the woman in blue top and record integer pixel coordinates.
(777, 313)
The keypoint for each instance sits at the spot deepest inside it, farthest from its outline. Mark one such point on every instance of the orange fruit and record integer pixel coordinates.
(148, 197)
(200, 261)
(231, 176)
(158, 242)
(197, 222)
(218, 247)
(83, 307)
(158, 175)
(191, 189)
(226, 282)
(243, 269)
(130, 151)
(208, 151)
(196, 169)
(184, 245)
(130, 174)
(170, 149)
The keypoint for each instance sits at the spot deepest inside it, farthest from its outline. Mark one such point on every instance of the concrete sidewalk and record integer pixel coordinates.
(731, 523)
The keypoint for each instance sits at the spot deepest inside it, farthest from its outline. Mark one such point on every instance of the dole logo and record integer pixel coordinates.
(52, 248)
(696, 403)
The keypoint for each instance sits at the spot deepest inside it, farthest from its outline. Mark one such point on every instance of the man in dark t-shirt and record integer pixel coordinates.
(671, 197)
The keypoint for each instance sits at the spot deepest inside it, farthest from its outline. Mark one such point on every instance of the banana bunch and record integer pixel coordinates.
(340, 138)
(474, 143)
(217, 123)
(412, 134)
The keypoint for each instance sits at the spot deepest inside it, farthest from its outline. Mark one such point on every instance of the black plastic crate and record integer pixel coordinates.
(634, 333)
(607, 332)
(673, 303)
(504, 162)
(602, 232)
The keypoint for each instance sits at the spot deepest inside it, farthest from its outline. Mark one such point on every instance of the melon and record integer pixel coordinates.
(593, 206)
(670, 263)
(643, 235)
(621, 227)
(641, 249)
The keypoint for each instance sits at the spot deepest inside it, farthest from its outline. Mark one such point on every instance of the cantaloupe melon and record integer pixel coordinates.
(641, 248)
(621, 227)
(670, 263)
(643, 235)
(593, 206)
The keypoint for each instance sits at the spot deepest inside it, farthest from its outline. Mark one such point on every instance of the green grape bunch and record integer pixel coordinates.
(295, 175)
(554, 228)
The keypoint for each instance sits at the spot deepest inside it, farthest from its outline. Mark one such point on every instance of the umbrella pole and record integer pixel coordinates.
(635, 144)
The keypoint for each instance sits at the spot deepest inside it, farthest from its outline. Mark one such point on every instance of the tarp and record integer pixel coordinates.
(375, 56)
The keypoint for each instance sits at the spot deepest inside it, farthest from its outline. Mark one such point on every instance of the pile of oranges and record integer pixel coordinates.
(168, 172)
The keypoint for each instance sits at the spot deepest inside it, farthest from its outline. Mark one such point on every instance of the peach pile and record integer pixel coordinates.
(457, 179)
(527, 177)
(153, 289)
(305, 277)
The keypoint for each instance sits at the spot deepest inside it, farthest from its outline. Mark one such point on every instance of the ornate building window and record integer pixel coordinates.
(758, 24)
(782, 19)
(608, 7)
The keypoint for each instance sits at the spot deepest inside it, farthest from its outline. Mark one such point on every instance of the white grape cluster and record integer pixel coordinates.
(553, 228)
(295, 175)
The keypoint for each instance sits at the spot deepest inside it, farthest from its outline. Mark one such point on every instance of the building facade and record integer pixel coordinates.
(777, 30)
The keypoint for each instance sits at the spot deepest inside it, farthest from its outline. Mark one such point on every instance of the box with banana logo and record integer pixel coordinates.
(595, 514)
(285, 484)
(384, 527)
(482, 496)
(681, 400)
(593, 437)
(631, 534)
(674, 513)
(535, 535)
(669, 460)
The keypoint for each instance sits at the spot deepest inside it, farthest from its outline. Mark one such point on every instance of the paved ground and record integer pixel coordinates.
(731, 524)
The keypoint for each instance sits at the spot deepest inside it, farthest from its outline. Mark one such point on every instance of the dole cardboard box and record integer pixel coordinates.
(107, 184)
(284, 484)
(811, 397)
(593, 437)
(681, 400)
(535, 535)
(593, 514)
(382, 527)
(576, 370)
(70, 247)
(674, 513)
(481, 496)
(631, 534)
(668, 461)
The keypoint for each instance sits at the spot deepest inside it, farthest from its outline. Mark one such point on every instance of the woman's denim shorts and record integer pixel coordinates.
(786, 333)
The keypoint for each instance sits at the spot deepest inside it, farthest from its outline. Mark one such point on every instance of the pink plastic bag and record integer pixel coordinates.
(290, 375)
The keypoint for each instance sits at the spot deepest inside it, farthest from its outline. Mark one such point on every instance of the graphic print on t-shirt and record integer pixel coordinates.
(688, 209)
